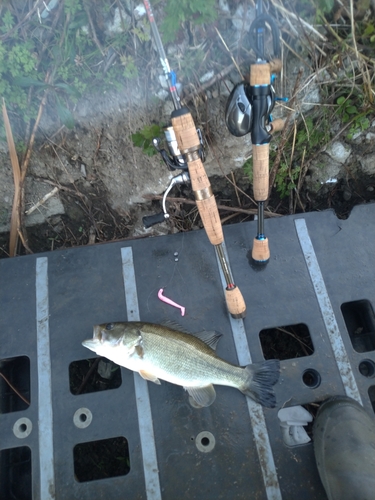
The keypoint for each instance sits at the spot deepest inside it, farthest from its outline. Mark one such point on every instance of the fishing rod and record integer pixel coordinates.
(190, 154)
(249, 109)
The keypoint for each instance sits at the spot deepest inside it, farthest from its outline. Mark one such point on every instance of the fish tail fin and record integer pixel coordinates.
(260, 379)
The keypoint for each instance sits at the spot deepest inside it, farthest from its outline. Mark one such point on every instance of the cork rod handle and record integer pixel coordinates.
(188, 141)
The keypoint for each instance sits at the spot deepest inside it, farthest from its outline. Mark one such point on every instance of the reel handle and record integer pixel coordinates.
(151, 220)
(277, 125)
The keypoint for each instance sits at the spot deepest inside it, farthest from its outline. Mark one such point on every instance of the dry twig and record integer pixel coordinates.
(283, 139)
(14, 389)
(14, 223)
(248, 211)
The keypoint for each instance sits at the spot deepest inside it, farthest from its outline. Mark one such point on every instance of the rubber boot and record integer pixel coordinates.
(344, 446)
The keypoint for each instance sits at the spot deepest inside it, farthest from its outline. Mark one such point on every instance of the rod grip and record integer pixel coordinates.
(188, 140)
(261, 156)
(209, 213)
(260, 74)
(185, 130)
(235, 302)
(261, 251)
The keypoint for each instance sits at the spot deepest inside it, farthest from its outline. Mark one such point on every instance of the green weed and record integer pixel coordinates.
(69, 53)
(179, 11)
(349, 110)
(286, 179)
(143, 138)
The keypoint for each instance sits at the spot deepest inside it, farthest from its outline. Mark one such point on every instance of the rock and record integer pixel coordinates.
(206, 77)
(121, 22)
(367, 163)
(243, 17)
(139, 11)
(226, 87)
(162, 94)
(338, 152)
(163, 82)
(311, 98)
(322, 172)
(34, 192)
(167, 110)
(224, 7)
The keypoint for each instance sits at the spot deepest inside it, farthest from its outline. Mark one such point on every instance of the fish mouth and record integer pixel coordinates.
(94, 343)
(91, 344)
(96, 332)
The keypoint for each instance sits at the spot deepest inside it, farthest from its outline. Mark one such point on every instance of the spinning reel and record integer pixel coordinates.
(174, 161)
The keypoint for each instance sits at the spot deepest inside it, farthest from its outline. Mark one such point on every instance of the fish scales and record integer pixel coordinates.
(188, 358)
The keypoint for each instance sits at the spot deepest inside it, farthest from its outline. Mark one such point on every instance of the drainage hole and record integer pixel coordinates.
(311, 378)
(367, 368)
(22, 428)
(82, 418)
(205, 441)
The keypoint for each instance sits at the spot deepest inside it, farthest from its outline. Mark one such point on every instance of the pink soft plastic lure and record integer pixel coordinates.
(170, 302)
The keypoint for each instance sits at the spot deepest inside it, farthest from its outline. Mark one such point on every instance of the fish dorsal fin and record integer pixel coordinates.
(203, 396)
(173, 325)
(209, 337)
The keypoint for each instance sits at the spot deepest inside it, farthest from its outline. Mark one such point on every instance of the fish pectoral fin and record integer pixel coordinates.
(149, 376)
(203, 396)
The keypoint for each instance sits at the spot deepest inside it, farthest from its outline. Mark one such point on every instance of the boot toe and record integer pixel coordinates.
(344, 446)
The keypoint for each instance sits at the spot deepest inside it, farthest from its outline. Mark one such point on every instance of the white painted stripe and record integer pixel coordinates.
(257, 419)
(326, 309)
(45, 420)
(146, 430)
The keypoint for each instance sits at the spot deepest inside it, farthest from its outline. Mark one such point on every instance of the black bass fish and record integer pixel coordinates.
(166, 353)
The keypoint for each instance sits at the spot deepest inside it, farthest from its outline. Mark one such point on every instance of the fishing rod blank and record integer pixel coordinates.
(248, 111)
(260, 80)
(190, 146)
(169, 75)
(260, 90)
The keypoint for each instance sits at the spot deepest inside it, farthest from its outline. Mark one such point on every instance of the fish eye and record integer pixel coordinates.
(110, 326)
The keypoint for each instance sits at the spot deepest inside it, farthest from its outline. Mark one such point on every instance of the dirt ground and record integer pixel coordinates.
(89, 217)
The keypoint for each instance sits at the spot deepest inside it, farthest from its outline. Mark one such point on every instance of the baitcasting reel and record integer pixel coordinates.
(174, 160)
(239, 109)
(249, 107)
